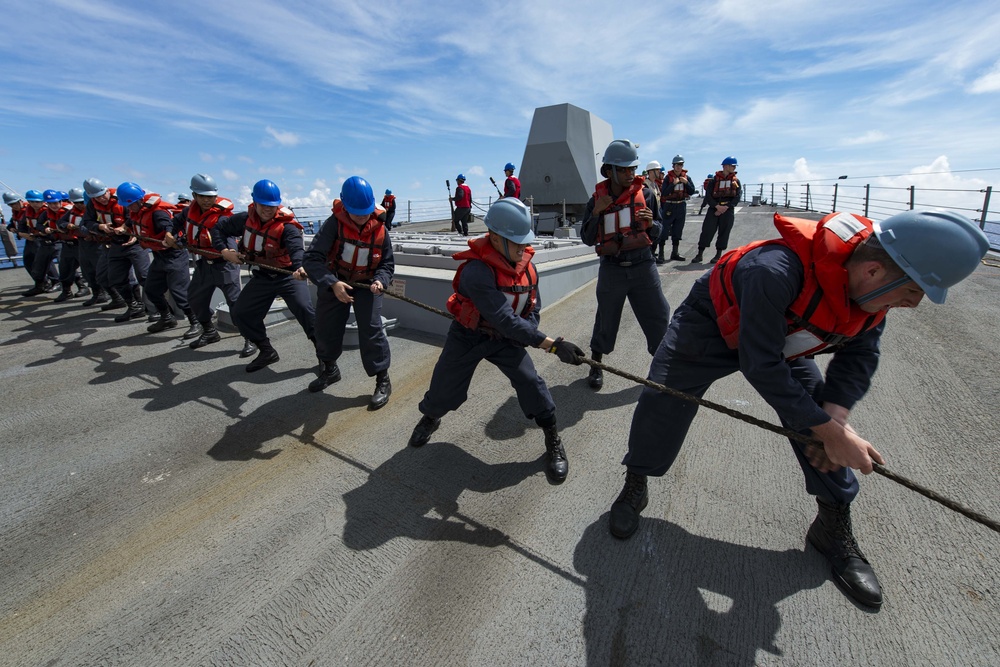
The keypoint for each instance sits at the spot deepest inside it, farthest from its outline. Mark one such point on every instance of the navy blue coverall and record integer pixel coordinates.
(630, 275)
(721, 223)
(693, 355)
(674, 212)
(332, 314)
(210, 272)
(69, 258)
(265, 286)
(465, 348)
(169, 268)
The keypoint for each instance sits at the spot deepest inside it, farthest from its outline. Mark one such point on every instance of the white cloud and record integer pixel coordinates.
(477, 171)
(987, 83)
(870, 137)
(319, 183)
(284, 138)
(230, 175)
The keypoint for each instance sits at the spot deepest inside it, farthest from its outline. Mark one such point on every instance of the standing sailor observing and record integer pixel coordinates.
(677, 188)
(511, 186)
(622, 229)
(722, 195)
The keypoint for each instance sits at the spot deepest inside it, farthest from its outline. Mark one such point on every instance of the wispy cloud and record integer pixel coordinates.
(282, 138)
(987, 83)
(870, 137)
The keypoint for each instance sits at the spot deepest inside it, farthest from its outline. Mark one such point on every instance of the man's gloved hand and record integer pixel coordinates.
(567, 352)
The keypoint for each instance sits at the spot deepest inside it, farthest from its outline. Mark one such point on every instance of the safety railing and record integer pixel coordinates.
(415, 210)
(877, 202)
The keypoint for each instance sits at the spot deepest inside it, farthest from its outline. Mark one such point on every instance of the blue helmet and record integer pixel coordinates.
(388, 191)
(509, 166)
(266, 193)
(33, 195)
(729, 160)
(51, 196)
(63, 195)
(357, 196)
(460, 177)
(511, 219)
(129, 193)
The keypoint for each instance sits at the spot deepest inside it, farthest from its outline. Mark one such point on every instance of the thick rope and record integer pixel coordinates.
(954, 505)
(768, 426)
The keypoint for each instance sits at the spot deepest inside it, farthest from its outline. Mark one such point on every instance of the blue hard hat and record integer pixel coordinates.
(509, 166)
(63, 195)
(266, 193)
(936, 249)
(51, 196)
(729, 160)
(460, 177)
(357, 195)
(33, 195)
(129, 193)
(388, 191)
(511, 219)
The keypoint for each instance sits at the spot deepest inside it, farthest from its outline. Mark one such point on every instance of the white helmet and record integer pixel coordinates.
(654, 165)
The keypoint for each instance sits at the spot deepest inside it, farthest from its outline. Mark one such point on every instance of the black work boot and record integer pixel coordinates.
(624, 517)
(116, 301)
(558, 466)
(82, 289)
(675, 255)
(267, 356)
(832, 536)
(65, 295)
(423, 430)
(329, 373)
(134, 311)
(383, 389)
(659, 257)
(165, 321)
(249, 349)
(195, 330)
(700, 257)
(718, 255)
(96, 297)
(209, 335)
(39, 288)
(596, 377)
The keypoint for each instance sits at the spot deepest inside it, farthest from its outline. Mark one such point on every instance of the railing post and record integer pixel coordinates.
(408, 218)
(808, 198)
(834, 208)
(772, 194)
(912, 187)
(867, 190)
(986, 207)
(563, 221)
(786, 195)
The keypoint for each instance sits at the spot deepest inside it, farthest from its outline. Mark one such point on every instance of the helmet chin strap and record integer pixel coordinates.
(882, 291)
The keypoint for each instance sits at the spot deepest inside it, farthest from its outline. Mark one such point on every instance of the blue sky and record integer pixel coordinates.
(411, 93)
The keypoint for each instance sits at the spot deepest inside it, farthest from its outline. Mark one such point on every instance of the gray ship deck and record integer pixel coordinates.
(160, 506)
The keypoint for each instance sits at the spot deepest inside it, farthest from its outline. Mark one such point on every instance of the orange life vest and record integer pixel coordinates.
(674, 189)
(823, 314)
(358, 252)
(519, 283)
(199, 222)
(614, 231)
(50, 220)
(73, 216)
(725, 185)
(32, 219)
(143, 225)
(388, 202)
(262, 243)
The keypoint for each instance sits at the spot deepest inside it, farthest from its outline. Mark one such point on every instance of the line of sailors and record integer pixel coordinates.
(129, 249)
